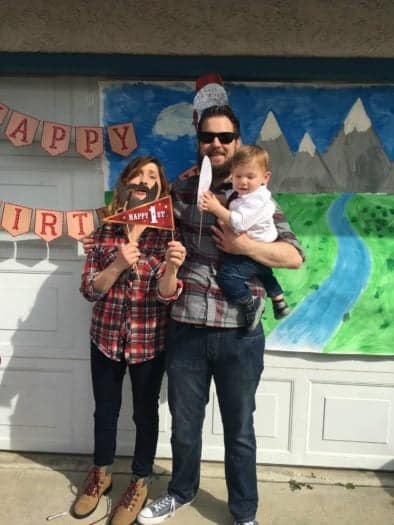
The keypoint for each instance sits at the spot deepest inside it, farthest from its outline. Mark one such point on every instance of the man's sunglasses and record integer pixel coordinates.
(225, 137)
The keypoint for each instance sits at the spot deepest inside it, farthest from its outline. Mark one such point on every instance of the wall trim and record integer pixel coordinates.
(167, 67)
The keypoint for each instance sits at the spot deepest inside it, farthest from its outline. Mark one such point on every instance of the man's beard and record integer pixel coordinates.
(219, 173)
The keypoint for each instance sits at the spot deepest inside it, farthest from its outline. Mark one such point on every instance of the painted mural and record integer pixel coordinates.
(332, 161)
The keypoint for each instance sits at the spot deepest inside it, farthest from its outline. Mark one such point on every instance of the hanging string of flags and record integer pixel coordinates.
(50, 224)
(21, 130)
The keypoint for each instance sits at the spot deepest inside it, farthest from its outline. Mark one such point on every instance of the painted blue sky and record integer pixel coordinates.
(162, 116)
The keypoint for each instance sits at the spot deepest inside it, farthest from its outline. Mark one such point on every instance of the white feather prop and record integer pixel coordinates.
(204, 184)
(205, 179)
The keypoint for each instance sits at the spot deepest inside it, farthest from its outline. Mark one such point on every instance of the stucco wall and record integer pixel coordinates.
(356, 28)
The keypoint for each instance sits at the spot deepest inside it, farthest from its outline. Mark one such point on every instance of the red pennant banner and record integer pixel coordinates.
(48, 224)
(122, 138)
(21, 129)
(16, 219)
(79, 224)
(89, 141)
(156, 214)
(55, 138)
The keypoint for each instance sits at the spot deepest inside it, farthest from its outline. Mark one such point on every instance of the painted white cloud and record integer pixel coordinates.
(175, 121)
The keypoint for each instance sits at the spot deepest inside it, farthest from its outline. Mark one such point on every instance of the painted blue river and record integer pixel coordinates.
(313, 322)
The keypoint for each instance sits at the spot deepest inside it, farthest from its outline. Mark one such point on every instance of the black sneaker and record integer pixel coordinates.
(159, 510)
(281, 308)
(254, 309)
(246, 522)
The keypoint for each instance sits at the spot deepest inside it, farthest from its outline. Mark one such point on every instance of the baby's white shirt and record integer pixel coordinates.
(253, 213)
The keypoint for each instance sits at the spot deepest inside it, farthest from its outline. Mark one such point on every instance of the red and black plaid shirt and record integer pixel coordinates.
(130, 319)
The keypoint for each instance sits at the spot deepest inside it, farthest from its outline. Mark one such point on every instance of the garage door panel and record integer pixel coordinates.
(34, 412)
(351, 417)
(42, 313)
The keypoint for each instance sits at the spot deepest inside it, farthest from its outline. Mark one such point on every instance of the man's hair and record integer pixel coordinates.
(219, 111)
(250, 153)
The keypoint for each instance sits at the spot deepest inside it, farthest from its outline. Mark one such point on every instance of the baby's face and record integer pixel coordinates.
(247, 178)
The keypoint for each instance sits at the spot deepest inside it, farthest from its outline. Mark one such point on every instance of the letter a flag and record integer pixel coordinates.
(155, 214)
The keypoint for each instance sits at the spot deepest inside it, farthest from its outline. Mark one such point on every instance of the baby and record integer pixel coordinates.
(249, 209)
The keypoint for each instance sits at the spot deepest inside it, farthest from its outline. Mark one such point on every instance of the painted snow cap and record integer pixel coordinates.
(210, 92)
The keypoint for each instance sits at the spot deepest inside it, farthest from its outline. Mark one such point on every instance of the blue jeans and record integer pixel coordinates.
(234, 270)
(107, 379)
(234, 359)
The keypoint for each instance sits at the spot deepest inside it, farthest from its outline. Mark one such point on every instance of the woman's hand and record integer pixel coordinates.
(175, 254)
(127, 255)
(175, 257)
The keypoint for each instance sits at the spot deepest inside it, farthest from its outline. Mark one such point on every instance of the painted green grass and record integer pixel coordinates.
(307, 217)
(369, 327)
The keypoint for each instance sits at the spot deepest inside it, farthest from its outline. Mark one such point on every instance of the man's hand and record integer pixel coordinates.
(228, 241)
(88, 244)
(277, 254)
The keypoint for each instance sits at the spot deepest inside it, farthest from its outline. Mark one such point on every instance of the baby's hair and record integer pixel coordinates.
(250, 153)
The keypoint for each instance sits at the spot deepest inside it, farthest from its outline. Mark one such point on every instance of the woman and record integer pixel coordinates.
(132, 284)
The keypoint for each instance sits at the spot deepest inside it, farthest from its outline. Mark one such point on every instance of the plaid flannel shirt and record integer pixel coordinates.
(129, 320)
(202, 301)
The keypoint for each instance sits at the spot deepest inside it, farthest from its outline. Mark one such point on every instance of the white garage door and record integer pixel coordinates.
(311, 410)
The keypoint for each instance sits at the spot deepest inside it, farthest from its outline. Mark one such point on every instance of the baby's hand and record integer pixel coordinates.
(208, 201)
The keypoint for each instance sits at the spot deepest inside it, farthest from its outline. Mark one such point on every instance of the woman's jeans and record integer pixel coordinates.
(234, 359)
(107, 379)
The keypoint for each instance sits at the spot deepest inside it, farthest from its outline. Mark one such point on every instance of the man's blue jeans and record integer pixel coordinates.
(234, 359)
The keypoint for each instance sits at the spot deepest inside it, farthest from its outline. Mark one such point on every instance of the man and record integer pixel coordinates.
(207, 337)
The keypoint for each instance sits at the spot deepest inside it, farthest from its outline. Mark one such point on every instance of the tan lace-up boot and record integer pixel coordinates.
(97, 483)
(131, 502)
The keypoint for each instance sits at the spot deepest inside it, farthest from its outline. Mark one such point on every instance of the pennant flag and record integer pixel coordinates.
(155, 214)
(3, 112)
(55, 138)
(21, 129)
(122, 138)
(89, 141)
(16, 219)
(48, 224)
(79, 224)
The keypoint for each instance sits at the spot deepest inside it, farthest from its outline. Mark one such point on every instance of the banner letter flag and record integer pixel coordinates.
(21, 129)
(89, 141)
(122, 138)
(55, 138)
(155, 214)
(48, 224)
(3, 112)
(16, 219)
(79, 224)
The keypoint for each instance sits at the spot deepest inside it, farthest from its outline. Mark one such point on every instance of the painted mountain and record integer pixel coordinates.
(274, 142)
(356, 159)
(308, 170)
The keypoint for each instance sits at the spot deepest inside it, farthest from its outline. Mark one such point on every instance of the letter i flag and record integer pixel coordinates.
(155, 214)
